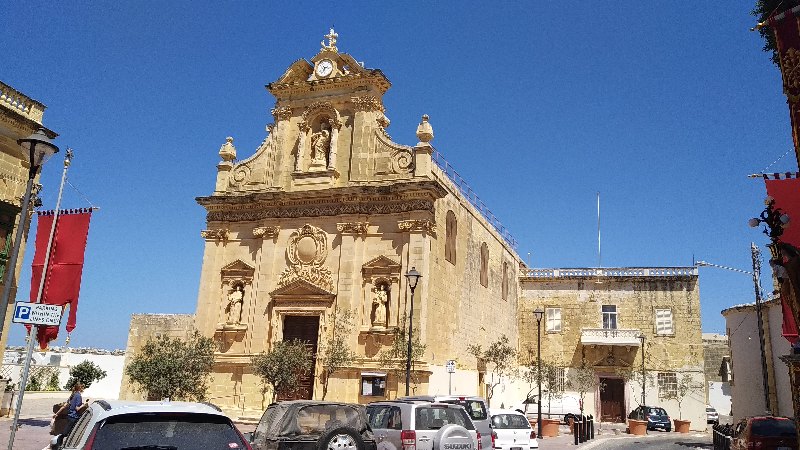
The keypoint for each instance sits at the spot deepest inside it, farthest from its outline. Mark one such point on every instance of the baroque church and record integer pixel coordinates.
(325, 219)
(328, 214)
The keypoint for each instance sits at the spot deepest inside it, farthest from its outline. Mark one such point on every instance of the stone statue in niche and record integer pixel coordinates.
(380, 304)
(321, 145)
(234, 308)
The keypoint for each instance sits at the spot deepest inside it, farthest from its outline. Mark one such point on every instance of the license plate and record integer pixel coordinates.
(516, 448)
(784, 448)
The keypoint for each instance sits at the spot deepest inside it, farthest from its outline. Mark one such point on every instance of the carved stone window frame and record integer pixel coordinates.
(236, 273)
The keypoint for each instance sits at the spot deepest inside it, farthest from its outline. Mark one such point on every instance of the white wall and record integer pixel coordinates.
(780, 347)
(719, 396)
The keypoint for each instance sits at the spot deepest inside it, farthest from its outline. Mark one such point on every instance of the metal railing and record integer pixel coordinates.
(611, 272)
(466, 191)
(722, 436)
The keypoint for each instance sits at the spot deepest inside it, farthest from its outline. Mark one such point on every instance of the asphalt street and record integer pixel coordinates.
(666, 441)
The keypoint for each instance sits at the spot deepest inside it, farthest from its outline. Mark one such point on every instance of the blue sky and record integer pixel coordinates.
(663, 109)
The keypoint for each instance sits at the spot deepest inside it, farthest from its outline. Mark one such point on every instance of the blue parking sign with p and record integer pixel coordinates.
(22, 312)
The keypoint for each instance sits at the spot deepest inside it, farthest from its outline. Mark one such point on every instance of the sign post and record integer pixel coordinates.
(451, 367)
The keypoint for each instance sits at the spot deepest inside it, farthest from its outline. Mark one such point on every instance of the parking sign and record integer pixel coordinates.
(451, 366)
(37, 313)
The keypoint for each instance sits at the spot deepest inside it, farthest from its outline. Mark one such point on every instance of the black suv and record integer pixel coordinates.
(655, 416)
(313, 425)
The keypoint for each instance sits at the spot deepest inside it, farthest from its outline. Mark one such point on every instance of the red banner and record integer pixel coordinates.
(786, 193)
(63, 280)
(787, 36)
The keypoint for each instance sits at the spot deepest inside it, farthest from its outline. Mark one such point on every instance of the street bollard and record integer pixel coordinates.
(582, 436)
(591, 426)
(575, 430)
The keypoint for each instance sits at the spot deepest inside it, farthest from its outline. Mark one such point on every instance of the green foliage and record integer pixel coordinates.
(763, 10)
(336, 354)
(173, 368)
(34, 382)
(502, 356)
(550, 375)
(282, 366)
(636, 377)
(52, 383)
(394, 358)
(86, 372)
(582, 380)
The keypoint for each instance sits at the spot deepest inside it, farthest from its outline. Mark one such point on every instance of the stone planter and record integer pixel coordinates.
(682, 426)
(637, 427)
(7, 404)
(550, 427)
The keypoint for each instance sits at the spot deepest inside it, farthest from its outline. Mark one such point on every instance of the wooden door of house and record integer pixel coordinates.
(612, 400)
(306, 329)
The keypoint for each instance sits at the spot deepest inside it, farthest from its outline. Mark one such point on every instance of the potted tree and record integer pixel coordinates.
(685, 386)
(636, 425)
(583, 380)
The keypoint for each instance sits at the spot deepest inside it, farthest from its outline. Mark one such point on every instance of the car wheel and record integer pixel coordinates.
(668, 429)
(340, 438)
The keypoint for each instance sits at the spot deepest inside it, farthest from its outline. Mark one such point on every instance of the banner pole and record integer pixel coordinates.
(34, 329)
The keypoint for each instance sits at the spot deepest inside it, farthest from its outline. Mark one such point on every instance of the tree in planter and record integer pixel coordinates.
(282, 366)
(175, 368)
(86, 372)
(550, 376)
(394, 358)
(502, 356)
(635, 377)
(686, 385)
(582, 380)
(336, 354)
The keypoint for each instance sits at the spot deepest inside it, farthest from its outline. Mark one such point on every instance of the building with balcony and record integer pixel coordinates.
(20, 116)
(600, 318)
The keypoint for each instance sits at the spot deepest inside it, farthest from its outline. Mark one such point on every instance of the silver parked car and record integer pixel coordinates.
(475, 406)
(421, 425)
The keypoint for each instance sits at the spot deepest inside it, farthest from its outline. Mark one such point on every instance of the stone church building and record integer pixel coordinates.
(328, 214)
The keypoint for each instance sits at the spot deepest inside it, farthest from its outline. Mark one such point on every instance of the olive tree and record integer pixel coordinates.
(395, 357)
(171, 367)
(86, 372)
(582, 380)
(550, 377)
(282, 366)
(685, 386)
(334, 350)
(501, 356)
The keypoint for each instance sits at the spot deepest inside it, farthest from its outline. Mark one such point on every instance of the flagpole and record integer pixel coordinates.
(34, 329)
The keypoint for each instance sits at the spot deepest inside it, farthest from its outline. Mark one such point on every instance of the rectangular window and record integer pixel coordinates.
(373, 385)
(664, 322)
(667, 384)
(553, 323)
(609, 317)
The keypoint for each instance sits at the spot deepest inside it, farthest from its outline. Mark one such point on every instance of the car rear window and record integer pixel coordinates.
(510, 421)
(773, 427)
(474, 408)
(173, 431)
(658, 411)
(315, 419)
(435, 417)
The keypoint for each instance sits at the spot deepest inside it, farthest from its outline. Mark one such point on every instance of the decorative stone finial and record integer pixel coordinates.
(424, 131)
(227, 152)
(331, 41)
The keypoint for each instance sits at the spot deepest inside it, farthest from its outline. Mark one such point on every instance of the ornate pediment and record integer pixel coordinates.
(238, 270)
(380, 267)
(298, 72)
(301, 288)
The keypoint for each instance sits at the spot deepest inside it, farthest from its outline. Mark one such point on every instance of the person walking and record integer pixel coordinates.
(73, 407)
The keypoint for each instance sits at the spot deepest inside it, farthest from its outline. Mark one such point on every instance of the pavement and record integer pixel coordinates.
(612, 436)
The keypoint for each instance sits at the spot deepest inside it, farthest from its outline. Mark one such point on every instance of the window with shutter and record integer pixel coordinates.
(553, 323)
(664, 322)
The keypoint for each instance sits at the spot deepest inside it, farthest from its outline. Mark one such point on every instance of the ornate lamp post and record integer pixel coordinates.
(413, 278)
(38, 148)
(538, 314)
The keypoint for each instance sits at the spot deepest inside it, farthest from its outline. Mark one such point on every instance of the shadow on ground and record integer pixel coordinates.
(35, 422)
(703, 445)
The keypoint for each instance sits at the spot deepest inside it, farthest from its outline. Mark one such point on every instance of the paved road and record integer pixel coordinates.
(665, 441)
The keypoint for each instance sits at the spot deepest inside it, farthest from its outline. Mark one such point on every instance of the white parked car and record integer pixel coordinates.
(563, 407)
(511, 430)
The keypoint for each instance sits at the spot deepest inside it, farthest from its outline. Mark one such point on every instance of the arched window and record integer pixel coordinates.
(504, 287)
(450, 237)
(484, 264)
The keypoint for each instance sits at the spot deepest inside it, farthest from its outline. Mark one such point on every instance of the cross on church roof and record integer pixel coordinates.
(331, 41)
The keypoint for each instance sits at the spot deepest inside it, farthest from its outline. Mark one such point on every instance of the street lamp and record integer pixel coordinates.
(413, 278)
(644, 383)
(539, 313)
(39, 149)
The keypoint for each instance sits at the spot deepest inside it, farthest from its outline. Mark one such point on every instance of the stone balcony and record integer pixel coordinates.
(21, 103)
(603, 336)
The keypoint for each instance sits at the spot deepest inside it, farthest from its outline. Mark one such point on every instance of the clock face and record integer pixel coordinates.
(324, 68)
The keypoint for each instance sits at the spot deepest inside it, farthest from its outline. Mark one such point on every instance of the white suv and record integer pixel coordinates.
(174, 425)
(421, 425)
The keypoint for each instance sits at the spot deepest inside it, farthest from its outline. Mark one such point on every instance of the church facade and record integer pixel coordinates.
(328, 214)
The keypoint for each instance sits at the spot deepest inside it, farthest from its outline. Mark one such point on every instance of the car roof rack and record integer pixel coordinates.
(103, 404)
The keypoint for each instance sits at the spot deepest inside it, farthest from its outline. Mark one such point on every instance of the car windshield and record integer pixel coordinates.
(773, 427)
(510, 421)
(174, 431)
(435, 417)
(474, 408)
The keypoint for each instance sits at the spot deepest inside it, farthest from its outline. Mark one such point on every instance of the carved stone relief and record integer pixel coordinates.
(381, 277)
(353, 227)
(236, 278)
(267, 232)
(367, 103)
(219, 234)
(306, 251)
(425, 226)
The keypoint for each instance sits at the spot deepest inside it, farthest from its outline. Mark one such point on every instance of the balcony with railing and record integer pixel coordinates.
(610, 336)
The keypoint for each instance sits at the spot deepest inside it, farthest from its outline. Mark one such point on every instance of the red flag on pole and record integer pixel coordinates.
(786, 193)
(787, 37)
(63, 280)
